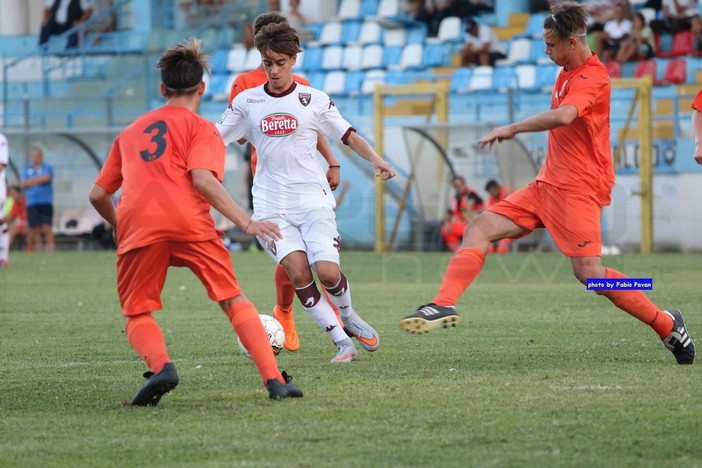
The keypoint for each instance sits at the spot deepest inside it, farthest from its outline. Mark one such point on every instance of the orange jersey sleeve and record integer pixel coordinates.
(579, 155)
(697, 102)
(151, 162)
(254, 78)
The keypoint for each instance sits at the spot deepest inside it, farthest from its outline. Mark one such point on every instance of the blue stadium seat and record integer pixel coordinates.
(392, 56)
(216, 87)
(350, 31)
(504, 78)
(369, 8)
(316, 79)
(436, 55)
(313, 59)
(535, 25)
(460, 80)
(396, 77)
(416, 34)
(219, 61)
(354, 80)
(315, 29)
(546, 76)
(537, 52)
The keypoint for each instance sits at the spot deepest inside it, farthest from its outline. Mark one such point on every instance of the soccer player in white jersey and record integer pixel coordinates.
(4, 228)
(282, 120)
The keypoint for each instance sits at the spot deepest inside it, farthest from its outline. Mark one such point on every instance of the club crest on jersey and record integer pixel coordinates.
(305, 98)
(279, 125)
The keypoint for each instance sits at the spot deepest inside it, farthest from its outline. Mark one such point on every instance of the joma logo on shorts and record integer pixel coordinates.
(279, 125)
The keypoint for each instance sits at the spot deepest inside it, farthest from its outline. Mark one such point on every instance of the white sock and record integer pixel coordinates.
(340, 295)
(320, 310)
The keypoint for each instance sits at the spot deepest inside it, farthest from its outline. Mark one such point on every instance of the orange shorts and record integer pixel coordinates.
(141, 273)
(573, 219)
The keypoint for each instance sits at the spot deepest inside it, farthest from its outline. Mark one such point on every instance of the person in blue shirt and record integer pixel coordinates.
(39, 193)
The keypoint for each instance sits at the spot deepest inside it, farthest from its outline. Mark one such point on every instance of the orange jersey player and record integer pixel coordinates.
(169, 164)
(697, 126)
(285, 293)
(568, 194)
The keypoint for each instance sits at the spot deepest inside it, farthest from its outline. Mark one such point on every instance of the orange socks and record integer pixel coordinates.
(145, 336)
(244, 318)
(639, 305)
(284, 290)
(462, 270)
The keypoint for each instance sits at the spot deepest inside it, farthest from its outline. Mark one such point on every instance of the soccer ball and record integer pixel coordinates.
(276, 334)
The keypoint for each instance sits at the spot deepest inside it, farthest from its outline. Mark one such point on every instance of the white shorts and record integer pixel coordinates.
(313, 232)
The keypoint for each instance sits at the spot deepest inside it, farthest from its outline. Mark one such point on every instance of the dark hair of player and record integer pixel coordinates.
(567, 19)
(182, 67)
(264, 19)
(280, 38)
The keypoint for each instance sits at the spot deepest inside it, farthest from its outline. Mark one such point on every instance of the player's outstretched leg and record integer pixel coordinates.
(462, 270)
(430, 317)
(158, 384)
(679, 341)
(283, 310)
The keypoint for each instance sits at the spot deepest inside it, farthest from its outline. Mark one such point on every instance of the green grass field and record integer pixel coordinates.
(540, 372)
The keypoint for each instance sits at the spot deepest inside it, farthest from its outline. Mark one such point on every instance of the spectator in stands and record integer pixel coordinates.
(17, 216)
(696, 29)
(497, 193)
(615, 31)
(539, 6)
(697, 126)
(4, 227)
(640, 45)
(62, 15)
(426, 12)
(298, 21)
(679, 14)
(37, 180)
(483, 47)
(197, 11)
(465, 9)
(465, 205)
(105, 20)
(599, 12)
